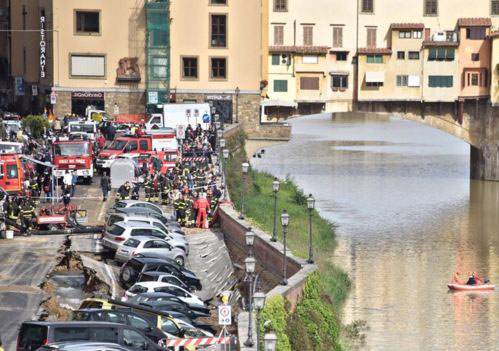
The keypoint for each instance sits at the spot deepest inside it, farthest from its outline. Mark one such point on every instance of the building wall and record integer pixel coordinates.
(440, 68)
(494, 86)
(372, 93)
(283, 71)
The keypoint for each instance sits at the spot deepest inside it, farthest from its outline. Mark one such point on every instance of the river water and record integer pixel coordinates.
(408, 217)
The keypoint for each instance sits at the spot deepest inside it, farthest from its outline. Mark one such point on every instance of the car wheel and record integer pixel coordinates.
(180, 260)
(127, 275)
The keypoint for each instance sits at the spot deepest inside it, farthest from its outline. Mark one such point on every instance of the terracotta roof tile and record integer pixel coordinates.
(494, 34)
(429, 43)
(383, 51)
(474, 22)
(300, 49)
(407, 26)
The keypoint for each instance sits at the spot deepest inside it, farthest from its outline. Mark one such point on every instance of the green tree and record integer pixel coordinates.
(35, 125)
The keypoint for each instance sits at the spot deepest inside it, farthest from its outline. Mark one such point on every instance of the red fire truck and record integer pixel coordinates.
(11, 173)
(160, 141)
(74, 155)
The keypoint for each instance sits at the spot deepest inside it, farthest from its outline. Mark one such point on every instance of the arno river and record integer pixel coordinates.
(408, 217)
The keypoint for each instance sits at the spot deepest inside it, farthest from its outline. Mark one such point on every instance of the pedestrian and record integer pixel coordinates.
(67, 181)
(74, 180)
(66, 198)
(111, 132)
(105, 186)
(101, 141)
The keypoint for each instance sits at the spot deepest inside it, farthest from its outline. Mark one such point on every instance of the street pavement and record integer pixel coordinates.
(25, 263)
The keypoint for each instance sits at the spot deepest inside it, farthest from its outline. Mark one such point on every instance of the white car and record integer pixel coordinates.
(150, 287)
(145, 245)
(115, 235)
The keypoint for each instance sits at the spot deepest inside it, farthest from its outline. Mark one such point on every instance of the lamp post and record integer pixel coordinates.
(237, 104)
(222, 143)
(250, 239)
(259, 301)
(250, 264)
(225, 153)
(275, 188)
(284, 223)
(270, 340)
(244, 168)
(311, 206)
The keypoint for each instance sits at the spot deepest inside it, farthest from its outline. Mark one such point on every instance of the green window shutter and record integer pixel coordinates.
(441, 54)
(432, 55)
(449, 81)
(431, 81)
(450, 55)
(275, 60)
(280, 86)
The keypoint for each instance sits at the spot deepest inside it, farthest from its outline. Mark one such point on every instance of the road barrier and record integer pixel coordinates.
(195, 342)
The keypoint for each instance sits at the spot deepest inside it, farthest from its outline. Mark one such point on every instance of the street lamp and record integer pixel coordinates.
(250, 239)
(259, 301)
(222, 143)
(217, 125)
(311, 206)
(250, 264)
(275, 188)
(225, 153)
(244, 168)
(284, 223)
(270, 340)
(237, 103)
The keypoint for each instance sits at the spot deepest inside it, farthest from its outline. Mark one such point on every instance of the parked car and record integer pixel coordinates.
(33, 335)
(155, 328)
(84, 346)
(169, 220)
(95, 303)
(132, 270)
(119, 232)
(168, 227)
(162, 277)
(141, 204)
(169, 307)
(165, 296)
(144, 244)
(149, 287)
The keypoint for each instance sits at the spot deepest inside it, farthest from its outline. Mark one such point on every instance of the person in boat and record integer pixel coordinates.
(456, 279)
(471, 279)
(480, 280)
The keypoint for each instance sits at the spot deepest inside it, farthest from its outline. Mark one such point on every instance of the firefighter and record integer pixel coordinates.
(203, 206)
(35, 190)
(124, 191)
(148, 188)
(165, 191)
(27, 215)
(135, 191)
(13, 213)
(179, 206)
(155, 188)
(189, 210)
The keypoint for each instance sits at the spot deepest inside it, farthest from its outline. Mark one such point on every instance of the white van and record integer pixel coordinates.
(181, 114)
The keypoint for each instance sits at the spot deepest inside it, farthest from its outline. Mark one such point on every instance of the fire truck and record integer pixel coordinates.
(74, 155)
(11, 172)
(157, 141)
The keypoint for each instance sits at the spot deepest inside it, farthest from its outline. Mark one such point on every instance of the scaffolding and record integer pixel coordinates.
(157, 52)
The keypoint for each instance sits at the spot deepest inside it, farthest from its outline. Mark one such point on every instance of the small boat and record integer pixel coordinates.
(464, 287)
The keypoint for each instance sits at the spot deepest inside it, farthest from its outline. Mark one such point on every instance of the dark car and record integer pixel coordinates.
(132, 270)
(121, 317)
(161, 296)
(170, 306)
(162, 277)
(33, 335)
(83, 346)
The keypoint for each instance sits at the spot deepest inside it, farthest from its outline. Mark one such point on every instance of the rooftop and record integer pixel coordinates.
(407, 26)
(474, 22)
(299, 49)
(430, 43)
(382, 51)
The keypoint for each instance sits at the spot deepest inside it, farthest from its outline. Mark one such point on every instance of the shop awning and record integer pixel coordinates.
(283, 103)
(375, 77)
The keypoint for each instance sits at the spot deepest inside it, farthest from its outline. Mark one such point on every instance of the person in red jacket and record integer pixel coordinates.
(101, 141)
(203, 206)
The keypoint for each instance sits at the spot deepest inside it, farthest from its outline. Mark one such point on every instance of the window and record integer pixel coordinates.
(402, 81)
(189, 67)
(143, 143)
(218, 68)
(309, 83)
(494, 7)
(278, 35)
(103, 334)
(280, 5)
(149, 244)
(441, 54)
(430, 7)
(475, 33)
(405, 34)
(12, 172)
(280, 86)
(474, 79)
(88, 66)
(337, 37)
(276, 60)
(440, 81)
(374, 84)
(132, 146)
(475, 57)
(137, 322)
(114, 317)
(413, 55)
(218, 31)
(218, 2)
(374, 58)
(417, 34)
(310, 59)
(371, 37)
(339, 82)
(169, 327)
(401, 55)
(367, 6)
(341, 56)
(71, 334)
(308, 35)
(87, 22)
(133, 339)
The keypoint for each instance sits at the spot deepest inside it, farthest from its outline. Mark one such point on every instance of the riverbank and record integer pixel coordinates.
(332, 283)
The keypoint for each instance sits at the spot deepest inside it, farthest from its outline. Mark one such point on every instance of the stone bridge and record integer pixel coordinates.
(474, 121)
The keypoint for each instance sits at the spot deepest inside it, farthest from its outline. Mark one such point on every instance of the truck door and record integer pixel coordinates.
(143, 145)
(12, 179)
(132, 146)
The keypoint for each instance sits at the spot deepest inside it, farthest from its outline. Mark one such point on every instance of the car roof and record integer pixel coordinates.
(144, 238)
(73, 323)
(151, 260)
(154, 284)
(133, 224)
(156, 294)
(159, 274)
(130, 202)
(85, 344)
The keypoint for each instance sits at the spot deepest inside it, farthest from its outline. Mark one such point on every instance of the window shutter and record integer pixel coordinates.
(337, 37)
(371, 37)
(308, 36)
(309, 83)
(278, 35)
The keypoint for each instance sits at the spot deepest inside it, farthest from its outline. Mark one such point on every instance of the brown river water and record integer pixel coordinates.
(408, 217)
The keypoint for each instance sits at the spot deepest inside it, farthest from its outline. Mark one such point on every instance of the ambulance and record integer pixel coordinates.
(11, 172)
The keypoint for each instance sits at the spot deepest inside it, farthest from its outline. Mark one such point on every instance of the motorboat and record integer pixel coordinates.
(476, 287)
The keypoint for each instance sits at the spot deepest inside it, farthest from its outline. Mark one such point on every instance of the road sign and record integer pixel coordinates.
(224, 315)
(53, 98)
(180, 131)
(153, 97)
(206, 118)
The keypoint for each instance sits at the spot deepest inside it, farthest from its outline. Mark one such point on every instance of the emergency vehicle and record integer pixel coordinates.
(88, 129)
(74, 155)
(164, 141)
(11, 172)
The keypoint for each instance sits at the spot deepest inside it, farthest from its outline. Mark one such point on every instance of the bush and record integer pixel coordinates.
(35, 125)
(275, 312)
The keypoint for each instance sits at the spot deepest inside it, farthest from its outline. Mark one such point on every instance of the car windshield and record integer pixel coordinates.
(68, 149)
(87, 128)
(117, 145)
(132, 243)
(116, 230)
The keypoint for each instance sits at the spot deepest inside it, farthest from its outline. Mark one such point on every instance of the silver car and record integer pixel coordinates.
(122, 217)
(84, 346)
(141, 204)
(143, 244)
(115, 235)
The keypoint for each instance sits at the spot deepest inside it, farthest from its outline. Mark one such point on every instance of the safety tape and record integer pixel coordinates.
(194, 342)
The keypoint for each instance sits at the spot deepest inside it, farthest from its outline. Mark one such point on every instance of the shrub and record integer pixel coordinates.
(35, 125)
(275, 312)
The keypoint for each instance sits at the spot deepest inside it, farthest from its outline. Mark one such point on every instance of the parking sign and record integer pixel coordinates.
(224, 315)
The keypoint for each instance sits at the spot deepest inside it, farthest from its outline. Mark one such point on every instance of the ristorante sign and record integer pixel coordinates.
(43, 48)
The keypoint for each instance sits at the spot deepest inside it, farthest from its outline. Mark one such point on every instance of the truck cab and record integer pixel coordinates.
(76, 156)
(11, 173)
(88, 129)
(98, 116)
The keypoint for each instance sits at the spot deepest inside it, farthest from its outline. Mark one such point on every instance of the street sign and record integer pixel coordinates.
(180, 131)
(34, 90)
(53, 98)
(224, 315)
(206, 118)
(153, 97)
